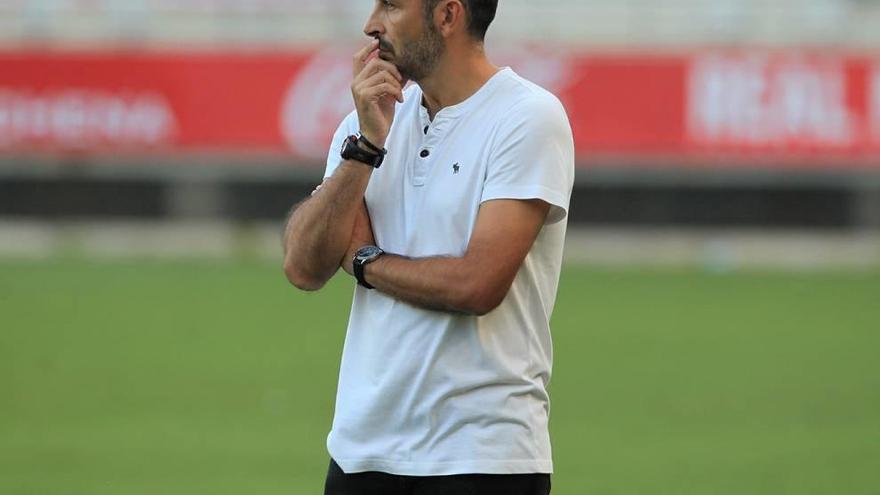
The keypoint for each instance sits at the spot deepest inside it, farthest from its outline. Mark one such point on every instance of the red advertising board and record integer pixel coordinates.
(777, 108)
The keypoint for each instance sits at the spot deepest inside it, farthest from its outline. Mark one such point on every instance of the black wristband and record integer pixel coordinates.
(363, 139)
(359, 276)
(363, 257)
(351, 151)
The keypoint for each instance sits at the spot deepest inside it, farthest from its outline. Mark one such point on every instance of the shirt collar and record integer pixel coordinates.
(454, 111)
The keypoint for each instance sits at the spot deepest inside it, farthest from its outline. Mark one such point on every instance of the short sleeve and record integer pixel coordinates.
(533, 156)
(347, 127)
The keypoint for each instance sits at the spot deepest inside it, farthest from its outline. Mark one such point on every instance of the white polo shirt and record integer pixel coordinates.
(427, 393)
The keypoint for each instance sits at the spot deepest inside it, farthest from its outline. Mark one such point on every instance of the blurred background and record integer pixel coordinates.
(716, 330)
(716, 132)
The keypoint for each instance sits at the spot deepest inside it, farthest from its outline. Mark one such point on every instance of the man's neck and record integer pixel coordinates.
(455, 79)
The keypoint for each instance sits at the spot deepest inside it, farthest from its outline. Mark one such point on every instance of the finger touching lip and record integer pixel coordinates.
(363, 55)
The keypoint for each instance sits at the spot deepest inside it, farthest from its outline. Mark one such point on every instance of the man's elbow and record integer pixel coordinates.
(301, 279)
(482, 299)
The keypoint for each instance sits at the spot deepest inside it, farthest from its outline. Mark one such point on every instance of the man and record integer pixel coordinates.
(448, 205)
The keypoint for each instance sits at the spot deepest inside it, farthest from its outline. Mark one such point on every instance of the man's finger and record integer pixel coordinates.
(378, 78)
(360, 58)
(384, 89)
(377, 64)
(365, 88)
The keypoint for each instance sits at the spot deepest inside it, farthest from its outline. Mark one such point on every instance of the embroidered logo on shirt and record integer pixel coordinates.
(456, 168)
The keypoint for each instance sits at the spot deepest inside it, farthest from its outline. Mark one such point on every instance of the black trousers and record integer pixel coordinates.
(375, 483)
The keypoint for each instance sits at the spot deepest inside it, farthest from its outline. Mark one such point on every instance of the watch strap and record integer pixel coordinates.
(363, 257)
(369, 144)
(359, 274)
(351, 151)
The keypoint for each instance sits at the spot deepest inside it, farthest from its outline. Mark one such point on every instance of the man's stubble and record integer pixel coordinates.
(416, 60)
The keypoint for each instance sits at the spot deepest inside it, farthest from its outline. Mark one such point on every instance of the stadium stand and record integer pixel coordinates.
(760, 194)
(630, 23)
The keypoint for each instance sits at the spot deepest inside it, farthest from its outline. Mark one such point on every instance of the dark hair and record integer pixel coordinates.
(480, 14)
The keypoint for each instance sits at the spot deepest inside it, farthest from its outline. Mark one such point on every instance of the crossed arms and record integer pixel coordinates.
(324, 231)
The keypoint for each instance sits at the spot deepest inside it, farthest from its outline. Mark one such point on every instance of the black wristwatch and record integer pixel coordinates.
(351, 151)
(363, 257)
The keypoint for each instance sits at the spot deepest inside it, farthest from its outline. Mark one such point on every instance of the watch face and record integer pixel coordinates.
(368, 253)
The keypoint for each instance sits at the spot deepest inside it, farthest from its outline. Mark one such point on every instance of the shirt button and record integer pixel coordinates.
(424, 153)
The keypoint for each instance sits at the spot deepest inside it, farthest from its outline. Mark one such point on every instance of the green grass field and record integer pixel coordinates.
(198, 378)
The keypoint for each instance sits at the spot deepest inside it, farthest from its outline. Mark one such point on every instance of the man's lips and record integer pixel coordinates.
(385, 46)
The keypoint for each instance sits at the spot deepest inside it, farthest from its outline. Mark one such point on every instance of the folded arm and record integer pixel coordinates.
(475, 283)
(319, 230)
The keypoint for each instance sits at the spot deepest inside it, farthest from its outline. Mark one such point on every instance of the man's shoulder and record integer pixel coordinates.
(521, 105)
(522, 95)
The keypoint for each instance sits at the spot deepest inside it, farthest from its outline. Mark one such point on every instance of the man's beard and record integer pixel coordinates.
(417, 60)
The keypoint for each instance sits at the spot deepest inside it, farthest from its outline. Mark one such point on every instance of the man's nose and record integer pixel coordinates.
(373, 28)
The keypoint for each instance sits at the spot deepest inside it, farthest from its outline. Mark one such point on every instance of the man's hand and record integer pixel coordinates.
(361, 235)
(377, 86)
(318, 237)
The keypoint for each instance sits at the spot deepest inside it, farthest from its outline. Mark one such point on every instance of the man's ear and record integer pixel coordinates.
(450, 16)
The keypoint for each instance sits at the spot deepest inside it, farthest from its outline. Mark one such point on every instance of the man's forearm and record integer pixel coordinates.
(477, 282)
(438, 283)
(318, 231)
